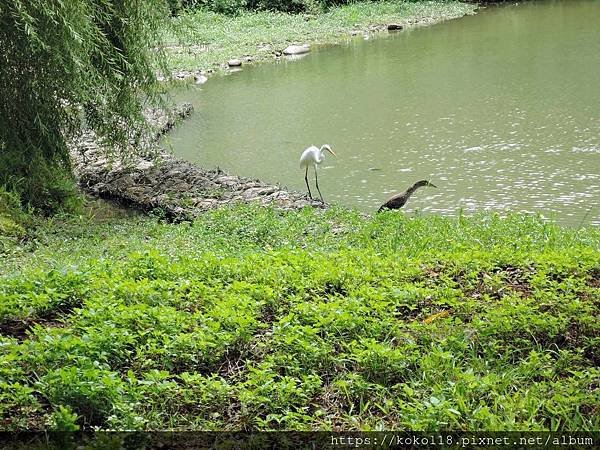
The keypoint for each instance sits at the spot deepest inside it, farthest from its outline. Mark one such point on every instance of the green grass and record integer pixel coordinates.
(202, 39)
(253, 318)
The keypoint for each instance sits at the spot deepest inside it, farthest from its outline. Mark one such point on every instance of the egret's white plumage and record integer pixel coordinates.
(311, 157)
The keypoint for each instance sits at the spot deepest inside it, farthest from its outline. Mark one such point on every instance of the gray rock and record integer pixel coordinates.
(296, 50)
(234, 62)
(183, 75)
(144, 165)
(200, 78)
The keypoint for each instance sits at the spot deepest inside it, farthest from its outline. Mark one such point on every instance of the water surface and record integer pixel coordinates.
(500, 110)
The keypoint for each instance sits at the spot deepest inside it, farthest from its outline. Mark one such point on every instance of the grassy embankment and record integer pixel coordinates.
(253, 318)
(204, 40)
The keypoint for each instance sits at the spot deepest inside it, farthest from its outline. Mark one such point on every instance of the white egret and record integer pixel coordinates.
(313, 156)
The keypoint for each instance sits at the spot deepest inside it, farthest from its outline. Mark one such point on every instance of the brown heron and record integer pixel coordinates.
(398, 200)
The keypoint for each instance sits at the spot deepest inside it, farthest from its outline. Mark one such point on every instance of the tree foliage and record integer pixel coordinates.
(236, 6)
(65, 65)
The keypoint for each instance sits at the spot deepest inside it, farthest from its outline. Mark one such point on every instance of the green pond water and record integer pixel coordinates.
(500, 110)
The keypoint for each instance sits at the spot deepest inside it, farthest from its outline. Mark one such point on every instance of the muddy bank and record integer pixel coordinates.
(161, 182)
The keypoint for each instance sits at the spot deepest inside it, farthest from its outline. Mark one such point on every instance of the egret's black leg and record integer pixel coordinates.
(317, 183)
(306, 179)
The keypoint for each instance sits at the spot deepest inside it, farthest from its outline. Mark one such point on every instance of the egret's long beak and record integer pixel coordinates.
(331, 151)
(432, 185)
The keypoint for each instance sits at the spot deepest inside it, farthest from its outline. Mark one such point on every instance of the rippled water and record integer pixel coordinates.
(500, 110)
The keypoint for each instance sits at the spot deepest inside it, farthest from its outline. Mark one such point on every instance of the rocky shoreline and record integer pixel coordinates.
(160, 182)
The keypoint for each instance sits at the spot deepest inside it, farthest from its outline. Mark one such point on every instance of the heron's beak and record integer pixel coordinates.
(432, 185)
(331, 151)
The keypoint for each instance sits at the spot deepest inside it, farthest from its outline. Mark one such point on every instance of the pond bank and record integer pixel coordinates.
(212, 321)
(199, 42)
(158, 181)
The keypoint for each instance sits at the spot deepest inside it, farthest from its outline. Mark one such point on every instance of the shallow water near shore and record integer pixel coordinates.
(500, 110)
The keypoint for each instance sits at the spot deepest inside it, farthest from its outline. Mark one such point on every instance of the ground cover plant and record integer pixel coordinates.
(253, 318)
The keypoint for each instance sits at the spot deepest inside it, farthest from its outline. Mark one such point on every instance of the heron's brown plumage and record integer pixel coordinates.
(399, 200)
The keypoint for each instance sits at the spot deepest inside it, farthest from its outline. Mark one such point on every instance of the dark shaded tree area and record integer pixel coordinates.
(65, 65)
(236, 6)
(291, 6)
